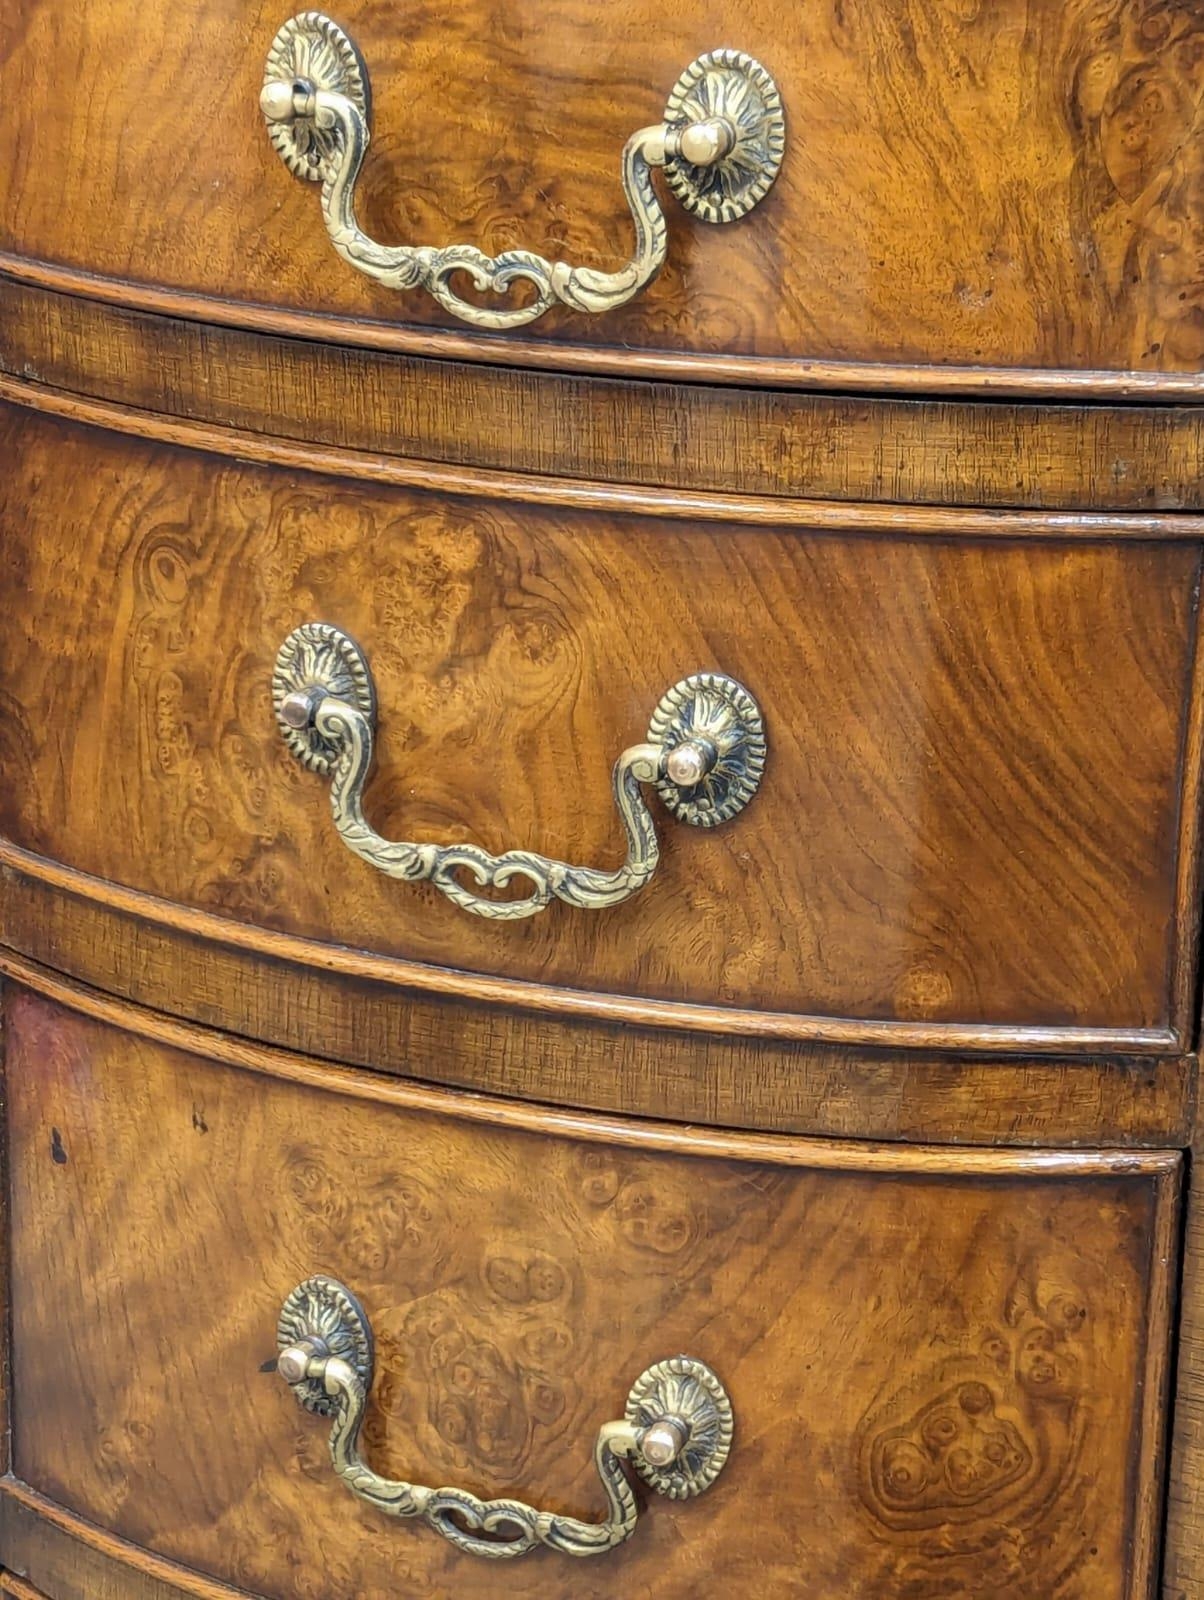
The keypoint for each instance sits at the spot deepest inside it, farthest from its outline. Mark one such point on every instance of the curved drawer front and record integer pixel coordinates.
(948, 172)
(941, 1366)
(975, 811)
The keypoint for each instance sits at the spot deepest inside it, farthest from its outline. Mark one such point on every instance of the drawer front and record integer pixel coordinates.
(948, 173)
(945, 1368)
(976, 814)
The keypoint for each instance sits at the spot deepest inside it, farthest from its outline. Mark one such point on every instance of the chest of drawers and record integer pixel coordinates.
(600, 788)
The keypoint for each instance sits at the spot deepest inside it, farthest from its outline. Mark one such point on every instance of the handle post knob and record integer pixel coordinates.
(295, 1362)
(298, 709)
(688, 763)
(664, 1441)
(702, 144)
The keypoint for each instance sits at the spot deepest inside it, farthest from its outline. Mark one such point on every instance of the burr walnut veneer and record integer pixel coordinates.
(800, 1205)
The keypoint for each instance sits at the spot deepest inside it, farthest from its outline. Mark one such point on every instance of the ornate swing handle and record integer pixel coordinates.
(705, 753)
(676, 1433)
(720, 144)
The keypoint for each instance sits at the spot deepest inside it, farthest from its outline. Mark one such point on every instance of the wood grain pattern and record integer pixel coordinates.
(72, 1559)
(974, 628)
(14, 1588)
(585, 494)
(694, 438)
(875, 378)
(528, 1116)
(995, 1332)
(973, 808)
(964, 185)
(1184, 1557)
(331, 1009)
(107, 902)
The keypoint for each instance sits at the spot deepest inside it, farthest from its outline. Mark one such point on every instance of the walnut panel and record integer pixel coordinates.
(71, 1559)
(1184, 1560)
(706, 439)
(990, 1330)
(1016, 183)
(347, 1010)
(974, 802)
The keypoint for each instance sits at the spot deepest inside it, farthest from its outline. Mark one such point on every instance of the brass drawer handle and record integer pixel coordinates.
(705, 754)
(720, 144)
(676, 1433)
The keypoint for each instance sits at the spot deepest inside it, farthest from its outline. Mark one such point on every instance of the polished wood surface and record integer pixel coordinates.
(964, 185)
(14, 1588)
(1185, 1518)
(69, 1558)
(514, 1277)
(702, 441)
(349, 1010)
(406, 1094)
(915, 380)
(880, 1099)
(590, 494)
(978, 812)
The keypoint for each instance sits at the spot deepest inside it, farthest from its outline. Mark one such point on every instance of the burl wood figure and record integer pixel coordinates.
(600, 800)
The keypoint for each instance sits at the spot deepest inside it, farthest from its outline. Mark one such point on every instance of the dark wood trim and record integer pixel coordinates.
(406, 975)
(818, 1155)
(1152, 1461)
(17, 1589)
(849, 377)
(72, 1559)
(938, 522)
(1184, 1534)
(324, 1009)
(6, 1224)
(1185, 976)
(701, 439)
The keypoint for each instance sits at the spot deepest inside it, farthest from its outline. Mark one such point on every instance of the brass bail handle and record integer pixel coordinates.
(720, 145)
(676, 1433)
(705, 754)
